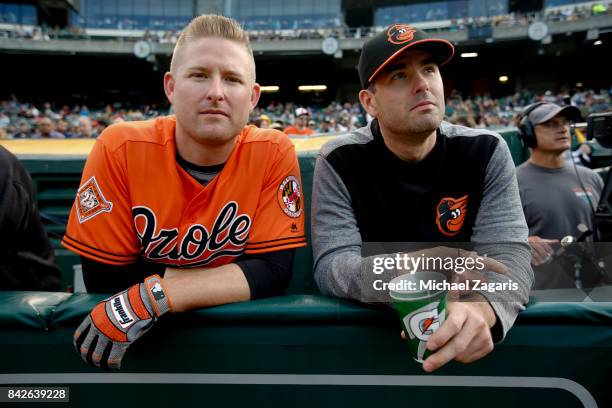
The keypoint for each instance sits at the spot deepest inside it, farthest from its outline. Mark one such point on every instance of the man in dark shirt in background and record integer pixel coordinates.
(27, 261)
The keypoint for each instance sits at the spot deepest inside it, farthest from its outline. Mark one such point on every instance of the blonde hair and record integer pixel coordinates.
(211, 25)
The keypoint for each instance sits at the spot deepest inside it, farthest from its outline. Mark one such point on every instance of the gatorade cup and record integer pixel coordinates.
(421, 308)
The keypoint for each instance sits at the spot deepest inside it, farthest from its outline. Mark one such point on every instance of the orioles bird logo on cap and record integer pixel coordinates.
(450, 214)
(400, 33)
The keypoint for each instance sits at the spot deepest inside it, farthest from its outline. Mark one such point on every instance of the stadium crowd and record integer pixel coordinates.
(26, 120)
(266, 29)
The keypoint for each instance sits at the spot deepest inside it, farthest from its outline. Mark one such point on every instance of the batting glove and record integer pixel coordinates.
(118, 321)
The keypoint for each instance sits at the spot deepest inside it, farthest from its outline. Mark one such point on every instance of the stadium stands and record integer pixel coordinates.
(19, 21)
(20, 118)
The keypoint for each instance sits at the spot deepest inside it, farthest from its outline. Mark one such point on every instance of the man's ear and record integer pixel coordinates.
(366, 97)
(255, 94)
(169, 86)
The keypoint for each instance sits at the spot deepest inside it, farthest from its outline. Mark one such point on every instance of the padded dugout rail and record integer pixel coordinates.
(299, 346)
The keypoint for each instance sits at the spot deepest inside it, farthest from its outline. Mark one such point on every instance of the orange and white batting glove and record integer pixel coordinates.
(115, 323)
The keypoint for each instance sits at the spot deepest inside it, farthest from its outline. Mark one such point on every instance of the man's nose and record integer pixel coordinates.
(215, 89)
(420, 83)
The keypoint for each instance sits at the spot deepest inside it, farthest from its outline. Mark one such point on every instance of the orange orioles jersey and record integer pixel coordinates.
(136, 201)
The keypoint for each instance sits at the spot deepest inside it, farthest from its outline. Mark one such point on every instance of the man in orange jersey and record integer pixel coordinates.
(301, 124)
(201, 208)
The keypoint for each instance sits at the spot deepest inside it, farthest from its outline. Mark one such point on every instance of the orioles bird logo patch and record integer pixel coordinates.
(290, 197)
(450, 215)
(90, 201)
(400, 33)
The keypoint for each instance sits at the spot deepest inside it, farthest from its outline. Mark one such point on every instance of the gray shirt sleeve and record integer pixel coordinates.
(340, 271)
(335, 236)
(501, 233)
(339, 268)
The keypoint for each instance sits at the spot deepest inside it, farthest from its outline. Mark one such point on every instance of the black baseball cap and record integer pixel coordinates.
(381, 49)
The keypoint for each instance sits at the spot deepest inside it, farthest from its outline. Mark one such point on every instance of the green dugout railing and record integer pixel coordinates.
(304, 351)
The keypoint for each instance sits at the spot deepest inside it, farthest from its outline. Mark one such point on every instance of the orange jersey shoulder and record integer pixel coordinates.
(157, 131)
(275, 137)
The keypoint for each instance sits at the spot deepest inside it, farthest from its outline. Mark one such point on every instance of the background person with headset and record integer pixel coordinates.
(556, 195)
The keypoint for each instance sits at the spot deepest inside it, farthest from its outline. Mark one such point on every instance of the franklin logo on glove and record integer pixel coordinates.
(123, 317)
(115, 323)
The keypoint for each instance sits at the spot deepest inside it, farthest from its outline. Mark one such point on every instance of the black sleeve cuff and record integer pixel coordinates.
(267, 274)
(104, 278)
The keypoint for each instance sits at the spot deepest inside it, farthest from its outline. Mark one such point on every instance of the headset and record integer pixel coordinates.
(526, 130)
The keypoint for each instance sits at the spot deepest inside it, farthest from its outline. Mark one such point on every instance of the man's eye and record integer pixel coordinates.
(197, 75)
(398, 75)
(234, 79)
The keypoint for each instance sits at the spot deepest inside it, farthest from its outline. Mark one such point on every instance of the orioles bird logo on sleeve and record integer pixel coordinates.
(400, 33)
(450, 215)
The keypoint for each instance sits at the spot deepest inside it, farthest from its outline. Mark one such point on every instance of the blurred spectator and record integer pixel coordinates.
(263, 122)
(278, 125)
(345, 124)
(39, 35)
(327, 126)
(4, 120)
(300, 127)
(11, 130)
(46, 130)
(23, 131)
(101, 123)
(85, 129)
(63, 127)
